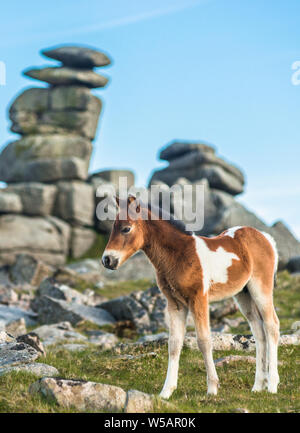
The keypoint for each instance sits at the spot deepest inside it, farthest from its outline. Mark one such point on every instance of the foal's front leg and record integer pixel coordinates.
(177, 319)
(200, 311)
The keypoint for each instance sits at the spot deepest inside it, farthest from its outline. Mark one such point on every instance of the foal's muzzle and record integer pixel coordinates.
(110, 262)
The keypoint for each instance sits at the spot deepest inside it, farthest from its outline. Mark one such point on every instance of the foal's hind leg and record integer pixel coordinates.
(250, 311)
(177, 324)
(263, 298)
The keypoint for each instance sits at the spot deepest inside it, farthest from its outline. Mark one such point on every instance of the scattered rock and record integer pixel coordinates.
(38, 369)
(10, 314)
(162, 336)
(73, 347)
(293, 339)
(295, 326)
(29, 270)
(127, 308)
(220, 362)
(16, 327)
(7, 296)
(81, 394)
(135, 357)
(103, 340)
(138, 402)
(58, 332)
(293, 264)
(12, 353)
(225, 308)
(32, 339)
(49, 287)
(51, 310)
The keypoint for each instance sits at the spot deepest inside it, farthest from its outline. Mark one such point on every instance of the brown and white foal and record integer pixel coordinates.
(194, 270)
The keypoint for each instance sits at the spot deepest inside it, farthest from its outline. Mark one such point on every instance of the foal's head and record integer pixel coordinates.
(127, 233)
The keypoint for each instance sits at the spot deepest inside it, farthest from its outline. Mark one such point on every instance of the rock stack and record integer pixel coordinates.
(196, 161)
(48, 205)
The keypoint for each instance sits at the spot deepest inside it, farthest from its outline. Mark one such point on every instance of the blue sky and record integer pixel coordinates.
(213, 70)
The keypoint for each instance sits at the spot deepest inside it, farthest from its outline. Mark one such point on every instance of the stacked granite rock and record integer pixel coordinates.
(48, 205)
(196, 163)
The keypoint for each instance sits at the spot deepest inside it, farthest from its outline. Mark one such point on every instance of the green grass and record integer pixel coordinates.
(148, 374)
(116, 289)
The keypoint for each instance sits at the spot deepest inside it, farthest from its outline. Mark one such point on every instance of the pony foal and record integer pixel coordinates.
(193, 270)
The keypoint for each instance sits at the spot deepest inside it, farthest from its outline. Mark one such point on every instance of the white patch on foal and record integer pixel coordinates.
(231, 232)
(214, 264)
(116, 254)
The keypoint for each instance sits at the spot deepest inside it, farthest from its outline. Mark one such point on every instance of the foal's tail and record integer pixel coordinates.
(274, 246)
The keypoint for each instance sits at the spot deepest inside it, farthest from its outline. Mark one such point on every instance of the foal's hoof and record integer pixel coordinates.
(257, 388)
(166, 393)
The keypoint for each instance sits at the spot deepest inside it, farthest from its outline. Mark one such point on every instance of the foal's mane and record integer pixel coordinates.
(169, 218)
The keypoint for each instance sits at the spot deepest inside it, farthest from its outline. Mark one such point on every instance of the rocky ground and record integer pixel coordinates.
(73, 339)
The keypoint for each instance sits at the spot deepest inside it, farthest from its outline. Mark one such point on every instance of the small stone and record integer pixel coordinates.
(58, 332)
(72, 347)
(38, 369)
(81, 394)
(10, 314)
(12, 353)
(32, 339)
(29, 270)
(138, 402)
(16, 327)
(220, 362)
(103, 340)
(8, 296)
(295, 326)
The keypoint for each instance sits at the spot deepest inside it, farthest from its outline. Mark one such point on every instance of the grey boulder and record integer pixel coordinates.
(81, 394)
(46, 239)
(80, 57)
(75, 202)
(38, 369)
(36, 198)
(67, 76)
(10, 202)
(82, 239)
(51, 310)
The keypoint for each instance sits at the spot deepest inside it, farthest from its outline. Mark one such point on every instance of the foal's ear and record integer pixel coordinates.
(117, 200)
(131, 199)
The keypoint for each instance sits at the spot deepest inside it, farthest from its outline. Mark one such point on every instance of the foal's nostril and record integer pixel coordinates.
(106, 261)
(110, 262)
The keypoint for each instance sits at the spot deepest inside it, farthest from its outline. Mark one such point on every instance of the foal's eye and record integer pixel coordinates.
(126, 230)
